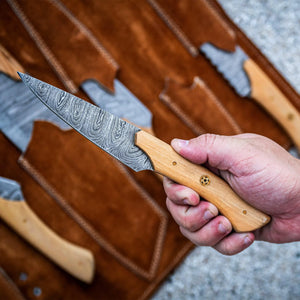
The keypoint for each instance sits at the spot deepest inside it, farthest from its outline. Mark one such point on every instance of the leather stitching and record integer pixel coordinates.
(95, 42)
(92, 232)
(42, 46)
(174, 28)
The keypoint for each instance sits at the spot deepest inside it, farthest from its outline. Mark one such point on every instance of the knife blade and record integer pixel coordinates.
(249, 80)
(14, 210)
(140, 150)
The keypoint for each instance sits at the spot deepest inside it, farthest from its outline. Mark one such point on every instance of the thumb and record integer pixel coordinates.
(220, 152)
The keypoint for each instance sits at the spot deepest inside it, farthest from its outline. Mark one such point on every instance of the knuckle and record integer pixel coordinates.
(187, 223)
(209, 139)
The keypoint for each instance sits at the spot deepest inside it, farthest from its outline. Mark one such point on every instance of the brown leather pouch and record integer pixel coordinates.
(87, 197)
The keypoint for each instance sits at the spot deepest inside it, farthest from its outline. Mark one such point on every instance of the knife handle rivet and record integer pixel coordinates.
(244, 211)
(290, 116)
(204, 180)
(174, 163)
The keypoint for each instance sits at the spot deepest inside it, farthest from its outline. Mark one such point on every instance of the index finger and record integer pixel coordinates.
(180, 194)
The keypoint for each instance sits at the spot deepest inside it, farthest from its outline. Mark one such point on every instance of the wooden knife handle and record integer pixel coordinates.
(268, 95)
(76, 260)
(166, 161)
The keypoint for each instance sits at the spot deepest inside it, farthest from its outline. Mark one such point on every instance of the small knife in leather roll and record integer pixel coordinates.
(249, 80)
(74, 259)
(140, 150)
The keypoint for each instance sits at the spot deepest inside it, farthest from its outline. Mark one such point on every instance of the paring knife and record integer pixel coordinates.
(140, 150)
(74, 259)
(249, 80)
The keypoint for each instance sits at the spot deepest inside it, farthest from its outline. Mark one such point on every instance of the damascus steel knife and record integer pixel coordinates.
(249, 80)
(18, 111)
(76, 260)
(140, 150)
(122, 103)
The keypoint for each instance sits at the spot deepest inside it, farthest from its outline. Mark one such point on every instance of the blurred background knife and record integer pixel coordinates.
(74, 259)
(249, 80)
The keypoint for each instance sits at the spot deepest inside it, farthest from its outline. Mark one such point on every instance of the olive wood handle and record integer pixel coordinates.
(74, 259)
(268, 95)
(166, 161)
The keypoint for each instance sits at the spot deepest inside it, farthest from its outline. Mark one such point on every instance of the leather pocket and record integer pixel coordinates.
(194, 23)
(199, 108)
(100, 195)
(63, 43)
(134, 243)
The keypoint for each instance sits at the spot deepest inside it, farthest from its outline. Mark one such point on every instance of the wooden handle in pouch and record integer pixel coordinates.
(268, 95)
(76, 260)
(166, 161)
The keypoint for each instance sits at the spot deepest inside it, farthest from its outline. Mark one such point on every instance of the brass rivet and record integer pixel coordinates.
(290, 116)
(244, 211)
(204, 180)
(174, 163)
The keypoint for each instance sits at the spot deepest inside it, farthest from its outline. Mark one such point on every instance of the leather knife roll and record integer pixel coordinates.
(77, 189)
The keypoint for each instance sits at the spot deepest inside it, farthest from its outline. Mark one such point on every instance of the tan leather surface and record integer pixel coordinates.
(211, 115)
(77, 189)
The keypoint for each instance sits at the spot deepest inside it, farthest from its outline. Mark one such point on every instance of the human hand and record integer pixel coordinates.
(259, 171)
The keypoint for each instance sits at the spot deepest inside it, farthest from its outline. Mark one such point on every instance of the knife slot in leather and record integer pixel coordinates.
(114, 230)
(199, 108)
(189, 30)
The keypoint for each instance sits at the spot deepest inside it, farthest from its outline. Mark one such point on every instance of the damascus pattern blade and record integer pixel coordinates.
(231, 66)
(10, 190)
(110, 133)
(121, 103)
(18, 111)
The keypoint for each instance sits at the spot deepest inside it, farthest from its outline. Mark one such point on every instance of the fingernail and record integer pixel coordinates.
(208, 215)
(178, 143)
(247, 241)
(222, 229)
